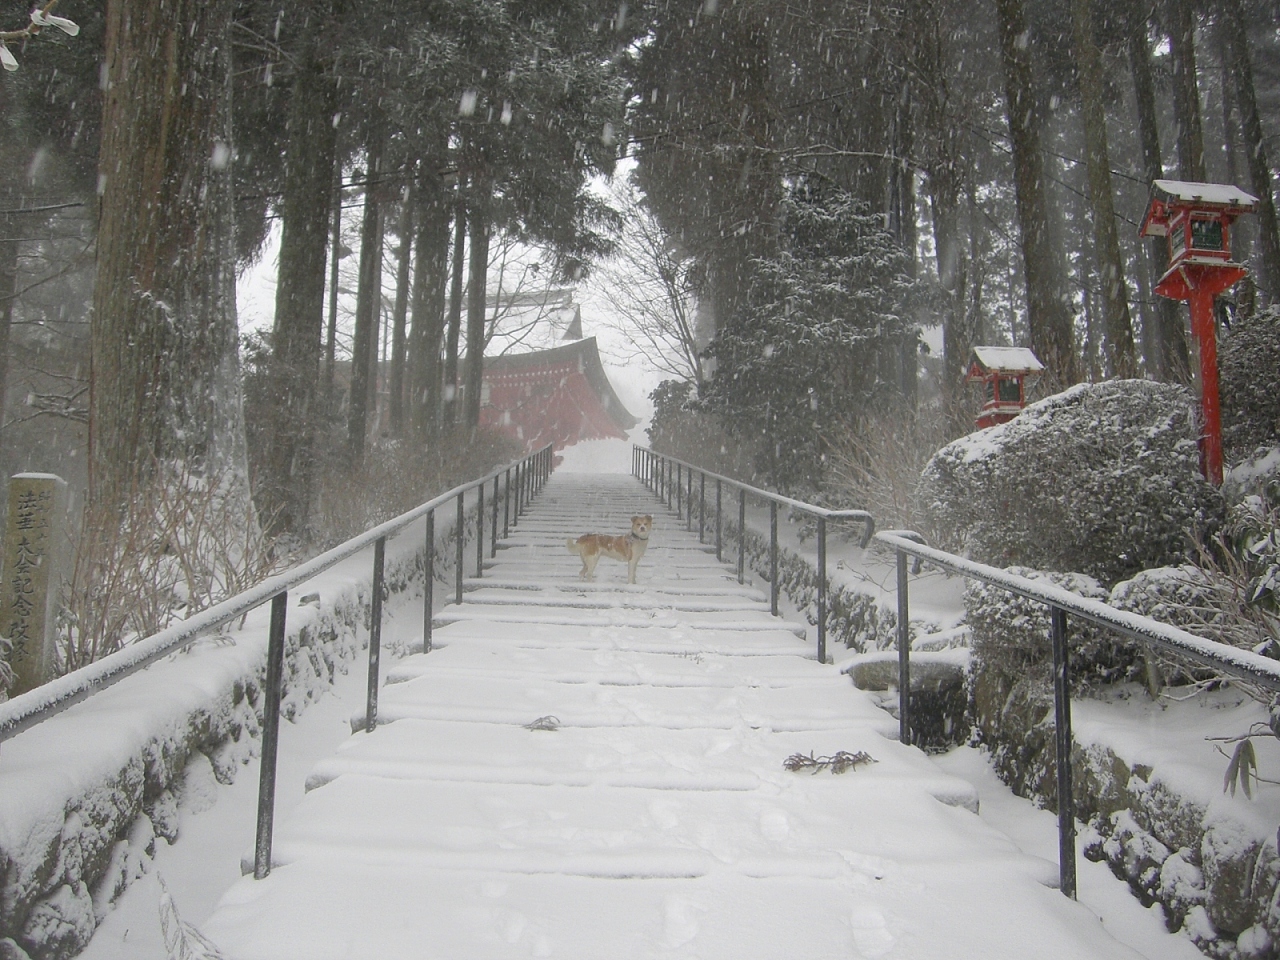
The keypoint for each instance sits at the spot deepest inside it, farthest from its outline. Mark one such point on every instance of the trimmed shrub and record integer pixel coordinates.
(1249, 371)
(1101, 478)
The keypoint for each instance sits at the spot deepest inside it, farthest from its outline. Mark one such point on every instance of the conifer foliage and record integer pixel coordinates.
(803, 353)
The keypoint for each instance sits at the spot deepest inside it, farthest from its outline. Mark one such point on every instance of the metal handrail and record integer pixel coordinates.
(33, 707)
(671, 480)
(1242, 664)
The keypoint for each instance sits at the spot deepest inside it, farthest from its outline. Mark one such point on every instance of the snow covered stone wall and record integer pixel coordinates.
(1211, 862)
(85, 796)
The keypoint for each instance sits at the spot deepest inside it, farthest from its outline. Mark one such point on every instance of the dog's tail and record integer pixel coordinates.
(573, 547)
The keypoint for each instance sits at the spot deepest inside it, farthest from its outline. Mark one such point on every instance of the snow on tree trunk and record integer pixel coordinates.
(1047, 313)
(165, 383)
(364, 352)
(1118, 325)
(1241, 68)
(426, 329)
(473, 373)
(1165, 347)
(1181, 18)
(287, 483)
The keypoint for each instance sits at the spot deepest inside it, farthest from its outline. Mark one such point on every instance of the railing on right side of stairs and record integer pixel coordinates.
(519, 482)
(1232, 661)
(670, 478)
(672, 481)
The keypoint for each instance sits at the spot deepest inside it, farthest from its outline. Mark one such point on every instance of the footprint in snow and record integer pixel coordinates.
(870, 931)
(680, 922)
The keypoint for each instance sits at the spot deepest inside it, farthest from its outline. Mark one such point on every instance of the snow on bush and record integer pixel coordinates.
(1101, 478)
(1249, 370)
(1010, 634)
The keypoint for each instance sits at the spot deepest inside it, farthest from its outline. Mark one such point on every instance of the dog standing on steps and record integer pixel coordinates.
(628, 548)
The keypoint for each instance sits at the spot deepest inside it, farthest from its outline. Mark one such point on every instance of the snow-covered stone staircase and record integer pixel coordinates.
(596, 771)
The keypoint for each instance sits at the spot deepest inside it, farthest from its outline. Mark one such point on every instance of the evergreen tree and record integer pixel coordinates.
(802, 353)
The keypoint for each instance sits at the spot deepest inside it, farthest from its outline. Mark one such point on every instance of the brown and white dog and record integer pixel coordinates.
(628, 548)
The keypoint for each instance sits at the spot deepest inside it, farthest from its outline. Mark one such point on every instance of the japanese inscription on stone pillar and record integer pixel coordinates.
(33, 543)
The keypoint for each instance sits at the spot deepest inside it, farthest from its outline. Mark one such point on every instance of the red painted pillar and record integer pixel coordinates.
(1202, 327)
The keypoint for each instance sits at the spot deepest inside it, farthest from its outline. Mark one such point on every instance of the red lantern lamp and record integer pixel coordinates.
(1004, 371)
(1196, 220)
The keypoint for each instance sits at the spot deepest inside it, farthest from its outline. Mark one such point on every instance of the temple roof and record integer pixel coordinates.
(585, 354)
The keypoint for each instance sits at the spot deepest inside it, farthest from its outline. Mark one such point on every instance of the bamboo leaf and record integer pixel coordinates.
(1233, 767)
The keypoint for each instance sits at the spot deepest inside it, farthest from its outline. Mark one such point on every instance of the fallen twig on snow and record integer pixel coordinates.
(838, 763)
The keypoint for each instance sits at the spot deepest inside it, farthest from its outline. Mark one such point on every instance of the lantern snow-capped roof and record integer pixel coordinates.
(1004, 370)
(1167, 194)
(1003, 360)
(1196, 219)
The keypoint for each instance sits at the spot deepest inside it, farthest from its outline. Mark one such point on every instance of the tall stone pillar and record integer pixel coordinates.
(35, 535)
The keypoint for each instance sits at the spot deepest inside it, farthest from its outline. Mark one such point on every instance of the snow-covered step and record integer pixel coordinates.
(785, 640)
(532, 614)
(658, 759)
(518, 702)
(715, 586)
(494, 658)
(689, 602)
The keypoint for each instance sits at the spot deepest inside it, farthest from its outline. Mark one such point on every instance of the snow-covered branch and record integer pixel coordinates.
(41, 17)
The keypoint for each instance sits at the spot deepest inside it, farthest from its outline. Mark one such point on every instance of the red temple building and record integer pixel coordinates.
(559, 396)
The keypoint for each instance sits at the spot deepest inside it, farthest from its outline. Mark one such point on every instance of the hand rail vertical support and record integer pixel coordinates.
(688, 502)
(904, 653)
(1062, 742)
(742, 535)
(719, 523)
(515, 514)
(493, 541)
(679, 487)
(270, 736)
(702, 506)
(822, 589)
(460, 533)
(773, 557)
(480, 531)
(375, 635)
(506, 505)
(429, 581)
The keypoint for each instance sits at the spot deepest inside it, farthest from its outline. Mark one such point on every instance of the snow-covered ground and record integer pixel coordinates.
(218, 822)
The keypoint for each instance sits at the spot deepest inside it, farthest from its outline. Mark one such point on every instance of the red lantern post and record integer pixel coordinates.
(1196, 220)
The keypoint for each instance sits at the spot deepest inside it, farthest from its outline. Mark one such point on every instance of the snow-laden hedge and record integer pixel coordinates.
(1101, 478)
(1249, 367)
(858, 620)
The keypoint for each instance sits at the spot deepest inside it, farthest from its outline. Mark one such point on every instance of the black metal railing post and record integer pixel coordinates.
(773, 557)
(515, 499)
(904, 653)
(719, 522)
(429, 581)
(822, 589)
(671, 473)
(460, 534)
(679, 487)
(702, 506)
(375, 635)
(1062, 743)
(493, 540)
(742, 535)
(506, 506)
(270, 737)
(480, 531)
(688, 502)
